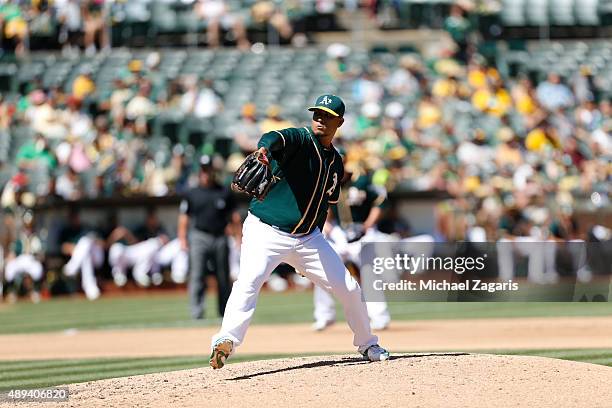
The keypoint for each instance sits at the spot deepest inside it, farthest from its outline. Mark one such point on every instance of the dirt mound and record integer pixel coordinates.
(425, 380)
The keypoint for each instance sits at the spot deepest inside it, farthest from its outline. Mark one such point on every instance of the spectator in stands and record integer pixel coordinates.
(337, 66)
(428, 113)
(43, 117)
(178, 171)
(274, 120)
(508, 152)
(141, 107)
(71, 24)
(13, 26)
(69, 185)
(367, 88)
(216, 16)
(493, 99)
(83, 85)
(265, 12)
(6, 114)
(78, 122)
(584, 86)
(552, 94)
(404, 80)
(120, 95)
(95, 25)
(14, 190)
(476, 152)
(41, 19)
(200, 101)
(459, 27)
(37, 155)
(526, 103)
(247, 131)
(542, 137)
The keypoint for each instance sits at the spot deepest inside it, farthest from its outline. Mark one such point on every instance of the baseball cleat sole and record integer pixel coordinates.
(220, 353)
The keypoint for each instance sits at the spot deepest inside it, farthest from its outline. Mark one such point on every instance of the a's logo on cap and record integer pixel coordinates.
(326, 100)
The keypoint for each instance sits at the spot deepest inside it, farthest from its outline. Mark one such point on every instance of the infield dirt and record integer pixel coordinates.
(426, 335)
(407, 380)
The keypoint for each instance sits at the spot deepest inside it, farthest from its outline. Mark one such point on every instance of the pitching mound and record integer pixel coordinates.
(425, 380)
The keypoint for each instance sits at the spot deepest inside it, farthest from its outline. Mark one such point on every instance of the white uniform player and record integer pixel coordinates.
(176, 258)
(140, 251)
(24, 258)
(85, 253)
(324, 305)
(140, 257)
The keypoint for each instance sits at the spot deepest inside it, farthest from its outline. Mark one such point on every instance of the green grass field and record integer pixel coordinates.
(35, 374)
(171, 310)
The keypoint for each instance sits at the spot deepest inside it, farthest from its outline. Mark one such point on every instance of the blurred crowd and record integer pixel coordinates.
(514, 156)
(87, 25)
(492, 142)
(71, 21)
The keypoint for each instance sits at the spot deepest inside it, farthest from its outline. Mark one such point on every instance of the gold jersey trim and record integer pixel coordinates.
(322, 192)
(316, 185)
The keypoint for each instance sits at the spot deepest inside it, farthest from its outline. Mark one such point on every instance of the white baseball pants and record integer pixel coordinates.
(140, 257)
(541, 253)
(172, 254)
(25, 263)
(324, 305)
(263, 249)
(86, 256)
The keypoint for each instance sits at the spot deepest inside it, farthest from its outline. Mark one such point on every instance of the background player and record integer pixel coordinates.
(138, 251)
(367, 202)
(286, 227)
(24, 258)
(85, 252)
(204, 214)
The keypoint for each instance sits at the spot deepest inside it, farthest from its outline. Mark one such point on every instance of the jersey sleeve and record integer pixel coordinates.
(381, 197)
(281, 143)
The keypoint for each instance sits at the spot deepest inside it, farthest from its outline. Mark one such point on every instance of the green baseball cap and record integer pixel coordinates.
(329, 103)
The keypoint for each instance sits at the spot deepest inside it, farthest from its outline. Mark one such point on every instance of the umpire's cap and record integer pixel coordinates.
(329, 103)
(206, 162)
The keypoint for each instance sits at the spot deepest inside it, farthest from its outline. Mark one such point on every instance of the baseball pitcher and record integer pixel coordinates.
(293, 178)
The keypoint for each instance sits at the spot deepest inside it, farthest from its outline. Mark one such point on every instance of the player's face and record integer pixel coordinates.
(324, 123)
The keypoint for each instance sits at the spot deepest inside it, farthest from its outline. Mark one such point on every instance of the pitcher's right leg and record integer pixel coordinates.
(262, 250)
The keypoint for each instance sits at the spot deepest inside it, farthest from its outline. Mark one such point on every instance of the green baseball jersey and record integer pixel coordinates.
(310, 176)
(27, 243)
(362, 196)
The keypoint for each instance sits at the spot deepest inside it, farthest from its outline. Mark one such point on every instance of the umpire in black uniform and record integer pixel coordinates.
(204, 214)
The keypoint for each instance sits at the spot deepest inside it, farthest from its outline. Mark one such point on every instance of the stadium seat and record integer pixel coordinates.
(537, 12)
(562, 12)
(587, 12)
(7, 73)
(513, 13)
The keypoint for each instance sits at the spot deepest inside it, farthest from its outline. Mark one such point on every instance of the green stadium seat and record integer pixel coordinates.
(587, 13)
(7, 75)
(562, 12)
(537, 12)
(163, 18)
